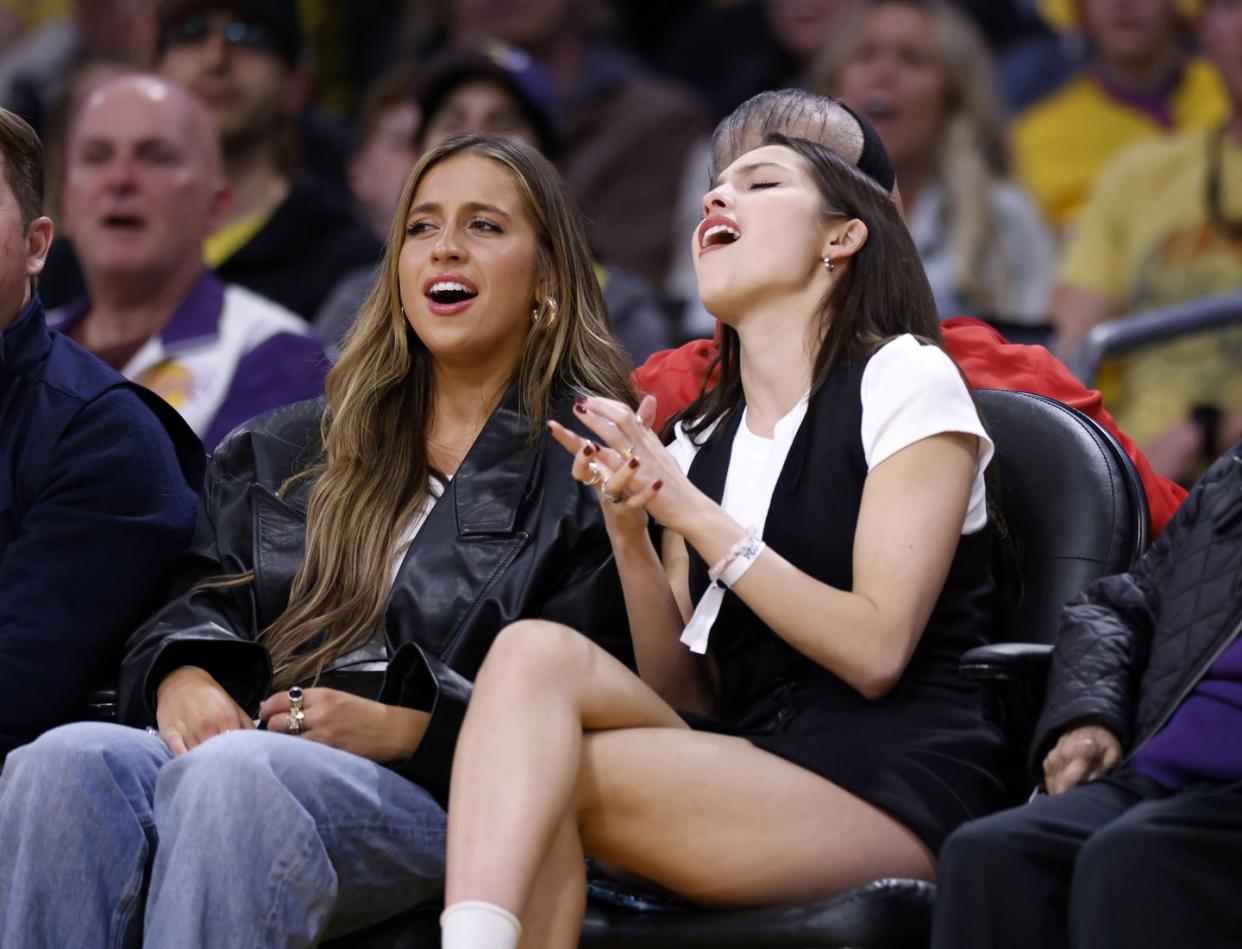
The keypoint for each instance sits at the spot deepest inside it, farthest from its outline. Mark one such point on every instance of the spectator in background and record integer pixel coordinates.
(286, 237)
(144, 186)
(98, 484)
(1164, 226)
(627, 133)
(920, 72)
(384, 150)
(1141, 82)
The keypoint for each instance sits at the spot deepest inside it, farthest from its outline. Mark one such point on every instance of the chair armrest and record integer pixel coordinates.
(1007, 662)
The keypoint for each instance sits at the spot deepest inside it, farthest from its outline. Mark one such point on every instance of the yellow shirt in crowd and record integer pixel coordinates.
(1063, 142)
(1146, 240)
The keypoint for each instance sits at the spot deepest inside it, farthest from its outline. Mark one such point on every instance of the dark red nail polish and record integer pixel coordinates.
(580, 402)
(633, 462)
(588, 449)
(580, 408)
(657, 486)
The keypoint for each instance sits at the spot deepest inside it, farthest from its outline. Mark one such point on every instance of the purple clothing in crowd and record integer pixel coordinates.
(1203, 739)
(224, 356)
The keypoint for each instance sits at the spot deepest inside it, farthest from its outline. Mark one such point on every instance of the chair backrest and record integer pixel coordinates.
(1073, 507)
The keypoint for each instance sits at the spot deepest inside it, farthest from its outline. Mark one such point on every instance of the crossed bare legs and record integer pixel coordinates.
(565, 752)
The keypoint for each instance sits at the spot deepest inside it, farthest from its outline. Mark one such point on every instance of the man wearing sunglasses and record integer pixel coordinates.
(288, 238)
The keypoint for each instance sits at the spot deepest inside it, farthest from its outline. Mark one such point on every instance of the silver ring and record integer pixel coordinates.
(614, 498)
(296, 716)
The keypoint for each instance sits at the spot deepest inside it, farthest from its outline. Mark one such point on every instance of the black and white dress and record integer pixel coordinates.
(923, 753)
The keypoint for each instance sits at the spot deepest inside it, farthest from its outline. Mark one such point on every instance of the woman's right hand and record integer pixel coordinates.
(191, 706)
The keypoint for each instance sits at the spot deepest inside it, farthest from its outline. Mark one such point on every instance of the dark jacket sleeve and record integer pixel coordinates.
(213, 628)
(1104, 641)
(587, 597)
(90, 560)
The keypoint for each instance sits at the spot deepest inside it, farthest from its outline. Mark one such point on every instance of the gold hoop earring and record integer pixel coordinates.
(549, 306)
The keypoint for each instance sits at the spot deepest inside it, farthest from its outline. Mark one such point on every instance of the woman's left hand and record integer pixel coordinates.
(373, 730)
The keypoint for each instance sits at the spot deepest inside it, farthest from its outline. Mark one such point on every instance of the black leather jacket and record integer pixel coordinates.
(1134, 645)
(514, 536)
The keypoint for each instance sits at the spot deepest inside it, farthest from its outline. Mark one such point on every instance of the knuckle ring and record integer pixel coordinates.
(627, 452)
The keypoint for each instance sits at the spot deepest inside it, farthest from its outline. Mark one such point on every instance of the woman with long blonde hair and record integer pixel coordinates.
(923, 76)
(354, 558)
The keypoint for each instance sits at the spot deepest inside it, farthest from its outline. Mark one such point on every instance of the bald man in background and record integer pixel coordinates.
(144, 187)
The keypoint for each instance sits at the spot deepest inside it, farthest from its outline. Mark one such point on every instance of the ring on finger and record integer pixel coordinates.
(614, 498)
(627, 452)
(297, 719)
(597, 476)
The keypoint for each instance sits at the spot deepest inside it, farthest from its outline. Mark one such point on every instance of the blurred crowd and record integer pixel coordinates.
(1060, 163)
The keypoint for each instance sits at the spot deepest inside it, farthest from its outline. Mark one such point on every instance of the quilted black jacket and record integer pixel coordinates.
(514, 536)
(1134, 645)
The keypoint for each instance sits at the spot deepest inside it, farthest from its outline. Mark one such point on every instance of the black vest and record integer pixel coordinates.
(811, 523)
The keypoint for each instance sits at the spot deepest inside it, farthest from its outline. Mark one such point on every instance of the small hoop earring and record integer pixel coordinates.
(828, 262)
(537, 311)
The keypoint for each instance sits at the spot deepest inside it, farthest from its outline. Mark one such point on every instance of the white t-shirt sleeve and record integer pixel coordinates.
(910, 392)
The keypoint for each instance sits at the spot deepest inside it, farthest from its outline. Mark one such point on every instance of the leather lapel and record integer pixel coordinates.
(279, 546)
(470, 537)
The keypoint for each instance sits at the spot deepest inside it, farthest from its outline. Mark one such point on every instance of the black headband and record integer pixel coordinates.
(874, 161)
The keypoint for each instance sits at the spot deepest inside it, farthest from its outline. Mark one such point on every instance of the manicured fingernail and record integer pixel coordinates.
(580, 403)
(633, 462)
(588, 449)
(657, 486)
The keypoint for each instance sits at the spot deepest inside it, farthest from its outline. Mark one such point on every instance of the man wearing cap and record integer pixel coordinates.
(98, 485)
(287, 238)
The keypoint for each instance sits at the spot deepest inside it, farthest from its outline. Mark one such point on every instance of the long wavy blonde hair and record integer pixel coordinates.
(375, 473)
(972, 151)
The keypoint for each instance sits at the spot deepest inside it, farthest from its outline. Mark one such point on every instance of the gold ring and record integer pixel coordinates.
(627, 452)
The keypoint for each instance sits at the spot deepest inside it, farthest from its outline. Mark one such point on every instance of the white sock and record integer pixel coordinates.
(475, 924)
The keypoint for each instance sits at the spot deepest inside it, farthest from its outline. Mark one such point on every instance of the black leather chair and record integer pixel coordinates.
(1074, 510)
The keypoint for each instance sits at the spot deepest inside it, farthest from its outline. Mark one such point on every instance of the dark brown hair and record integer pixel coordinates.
(881, 293)
(22, 154)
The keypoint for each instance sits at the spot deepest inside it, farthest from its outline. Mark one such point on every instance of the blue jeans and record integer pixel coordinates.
(252, 839)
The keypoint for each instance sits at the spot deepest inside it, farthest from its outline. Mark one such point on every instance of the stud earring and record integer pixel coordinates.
(828, 262)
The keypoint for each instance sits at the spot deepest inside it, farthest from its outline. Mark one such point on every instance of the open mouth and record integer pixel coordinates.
(718, 231)
(448, 292)
(879, 106)
(123, 222)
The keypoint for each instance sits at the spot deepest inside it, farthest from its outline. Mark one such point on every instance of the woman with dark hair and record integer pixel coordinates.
(825, 556)
(357, 554)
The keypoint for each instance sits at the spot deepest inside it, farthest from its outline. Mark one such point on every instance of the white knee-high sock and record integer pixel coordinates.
(474, 924)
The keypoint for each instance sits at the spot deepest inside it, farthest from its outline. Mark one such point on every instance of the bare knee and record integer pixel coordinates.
(532, 654)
